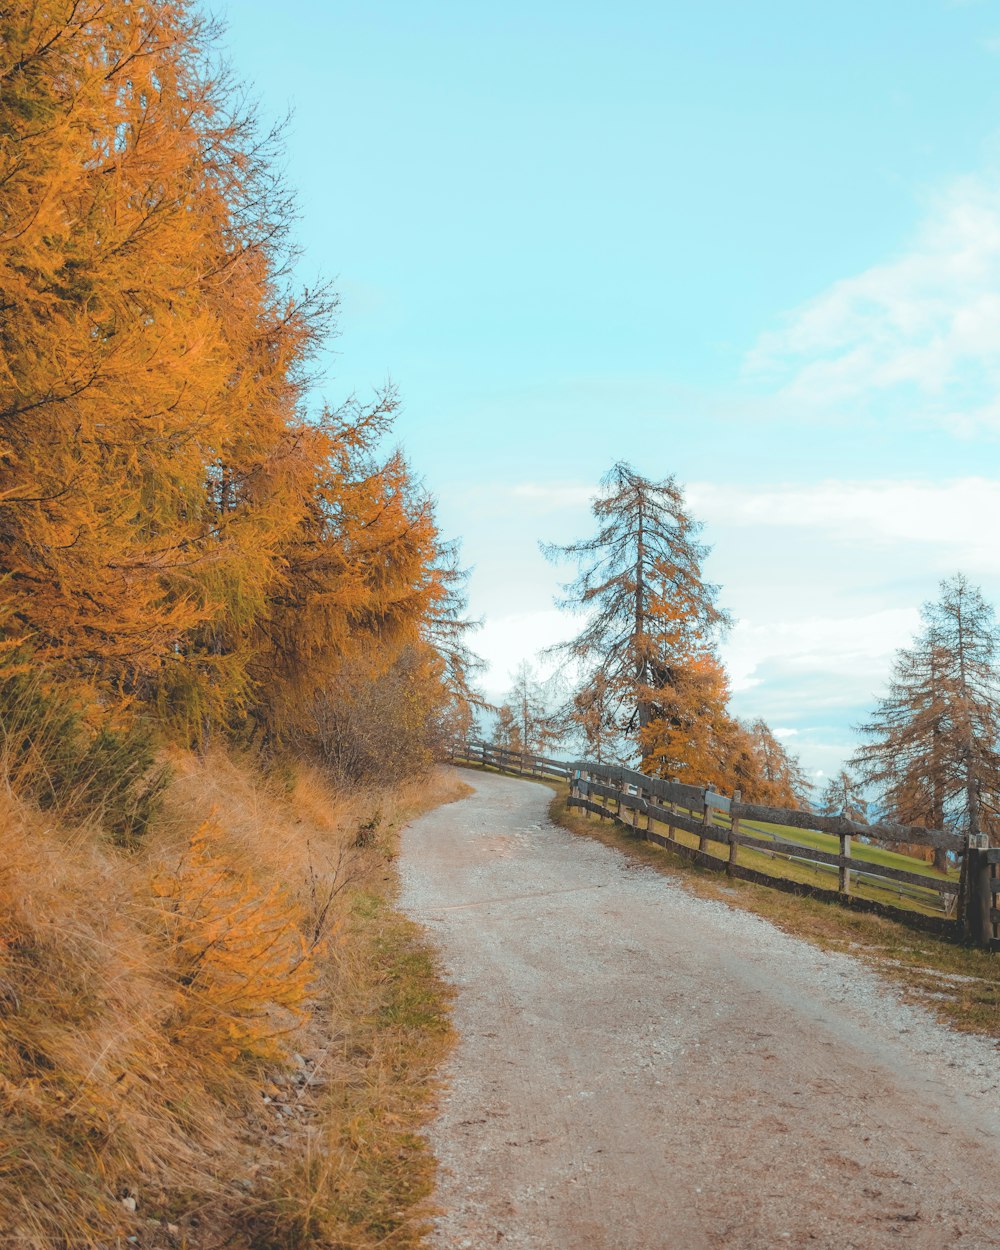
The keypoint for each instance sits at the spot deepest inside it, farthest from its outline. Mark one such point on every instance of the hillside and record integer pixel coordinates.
(226, 1033)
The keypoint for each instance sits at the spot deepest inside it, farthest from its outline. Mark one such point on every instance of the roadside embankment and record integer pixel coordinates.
(226, 1031)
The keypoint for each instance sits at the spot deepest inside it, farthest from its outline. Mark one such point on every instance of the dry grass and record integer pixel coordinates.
(229, 1029)
(960, 984)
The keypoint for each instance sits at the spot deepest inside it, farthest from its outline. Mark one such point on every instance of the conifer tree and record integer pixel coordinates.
(842, 796)
(652, 619)
(177, 532)
(931, 749)
(528, 703)
(590, 712)
(508, 731)
(779, 777)
(447, 628)
(151, 356)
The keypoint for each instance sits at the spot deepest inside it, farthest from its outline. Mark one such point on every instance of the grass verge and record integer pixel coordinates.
(360, 1176)
(225, 1035)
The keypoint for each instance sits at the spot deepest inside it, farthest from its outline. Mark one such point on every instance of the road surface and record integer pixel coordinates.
(641, 1069)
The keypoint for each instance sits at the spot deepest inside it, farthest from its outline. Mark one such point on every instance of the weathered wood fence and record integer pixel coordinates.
(967, 905)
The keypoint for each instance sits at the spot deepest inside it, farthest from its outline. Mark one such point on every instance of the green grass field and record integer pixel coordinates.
(786, 864)
(792, 867)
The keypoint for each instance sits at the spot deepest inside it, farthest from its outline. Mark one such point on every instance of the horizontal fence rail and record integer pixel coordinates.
(965, 906)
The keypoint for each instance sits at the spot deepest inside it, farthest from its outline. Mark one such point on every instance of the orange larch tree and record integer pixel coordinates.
(151, 358)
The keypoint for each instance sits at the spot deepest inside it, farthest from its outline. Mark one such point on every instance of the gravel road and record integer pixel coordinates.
(641, 1068)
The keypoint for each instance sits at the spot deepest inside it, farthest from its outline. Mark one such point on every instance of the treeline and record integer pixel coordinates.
(646, 684)
(181, 539)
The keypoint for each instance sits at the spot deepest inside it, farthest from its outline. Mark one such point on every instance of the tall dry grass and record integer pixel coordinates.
(183, 1025)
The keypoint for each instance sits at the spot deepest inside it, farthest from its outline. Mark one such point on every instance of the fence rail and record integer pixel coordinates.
(964, 907)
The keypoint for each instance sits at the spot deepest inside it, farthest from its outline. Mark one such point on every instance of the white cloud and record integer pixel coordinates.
(958, 516)
(504, 641)
(959, 519)
(552, 496)
(926, 323)
(851, 652)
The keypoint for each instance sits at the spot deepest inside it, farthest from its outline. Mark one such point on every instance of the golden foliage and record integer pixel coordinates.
(237, 955)
(176, 531)
(149, 361)
(117, 1035)
(686, 737)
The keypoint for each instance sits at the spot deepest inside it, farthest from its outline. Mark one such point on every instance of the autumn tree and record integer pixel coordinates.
(529, 702)
(931, 744)
(651, 618)
(508, 730)
(778, 777)
(689, 733)
(843, 796)
(447, 629)
(590, 714)
(153, 356)
(368, 585)
(178, 532)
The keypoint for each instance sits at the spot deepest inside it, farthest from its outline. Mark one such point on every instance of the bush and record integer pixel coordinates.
(380, 728)
(237, 956)
(50, 753)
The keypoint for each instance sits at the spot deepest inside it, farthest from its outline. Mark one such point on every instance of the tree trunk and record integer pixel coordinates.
(639, 626)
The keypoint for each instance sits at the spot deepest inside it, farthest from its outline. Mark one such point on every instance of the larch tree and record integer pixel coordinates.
(590, 714)
(178, 530)
(152, 357)
(651, 620)
(903, 759)
(526, 698)
(844, 796)
(508, 730)
(359, 582)
(931, 743)
(447, 630)
(779, 778)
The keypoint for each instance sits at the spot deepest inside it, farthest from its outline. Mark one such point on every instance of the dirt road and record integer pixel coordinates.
(642, 1068)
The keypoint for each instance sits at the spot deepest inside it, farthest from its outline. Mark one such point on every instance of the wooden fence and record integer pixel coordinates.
(965, 906)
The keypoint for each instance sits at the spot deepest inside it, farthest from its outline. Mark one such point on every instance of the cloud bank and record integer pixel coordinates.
(924, 325)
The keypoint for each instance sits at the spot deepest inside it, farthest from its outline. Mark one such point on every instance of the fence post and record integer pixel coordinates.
(636, 828)
(734, 828)
(706, 819)
(979, 886)
(844, 874)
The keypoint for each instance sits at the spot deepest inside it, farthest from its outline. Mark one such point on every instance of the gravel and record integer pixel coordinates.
(639, 1067)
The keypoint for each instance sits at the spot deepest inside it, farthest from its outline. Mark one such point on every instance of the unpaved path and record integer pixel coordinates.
(642, 1068)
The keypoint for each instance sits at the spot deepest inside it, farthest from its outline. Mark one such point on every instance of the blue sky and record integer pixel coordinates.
(753, 246)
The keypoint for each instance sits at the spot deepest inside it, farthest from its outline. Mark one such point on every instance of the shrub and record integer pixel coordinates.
(379, 728)
(237, 956)
(50, 752)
